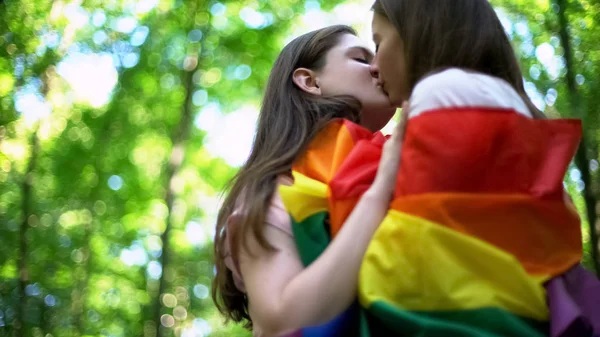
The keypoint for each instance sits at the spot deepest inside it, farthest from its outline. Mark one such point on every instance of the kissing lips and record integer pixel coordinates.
(381, 87)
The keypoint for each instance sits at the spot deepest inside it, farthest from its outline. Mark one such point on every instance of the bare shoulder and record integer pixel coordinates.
(266, 273)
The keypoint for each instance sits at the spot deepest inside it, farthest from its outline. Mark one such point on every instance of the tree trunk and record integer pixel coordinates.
(581, 160)
(582, 163)
(81, 274)
(178, 140)
(26, 207)
(90, 228)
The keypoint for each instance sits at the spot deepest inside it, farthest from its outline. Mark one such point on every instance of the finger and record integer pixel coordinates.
(405, 113)
(392, 150)
(387, 173)
(404, 118)
(400, 128)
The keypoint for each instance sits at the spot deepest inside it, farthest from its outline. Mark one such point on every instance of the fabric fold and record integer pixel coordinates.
(478, 240)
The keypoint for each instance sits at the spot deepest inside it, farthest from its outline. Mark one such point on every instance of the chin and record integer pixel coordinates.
(386, 101)
(378, 117)
(382, 103)
(396, 100)
(374, 126)
(380, 110)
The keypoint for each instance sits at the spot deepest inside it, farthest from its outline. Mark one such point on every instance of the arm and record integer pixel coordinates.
(283, 295)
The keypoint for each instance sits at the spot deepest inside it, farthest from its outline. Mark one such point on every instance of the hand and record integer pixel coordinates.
(389, 164)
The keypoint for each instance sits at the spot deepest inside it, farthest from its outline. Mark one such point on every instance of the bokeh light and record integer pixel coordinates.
(122, 121)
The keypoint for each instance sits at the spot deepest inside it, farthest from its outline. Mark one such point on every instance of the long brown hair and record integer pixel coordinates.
(440, 34)
(288, 120)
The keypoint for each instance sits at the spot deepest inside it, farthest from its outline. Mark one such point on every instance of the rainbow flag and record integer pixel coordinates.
(477, 227)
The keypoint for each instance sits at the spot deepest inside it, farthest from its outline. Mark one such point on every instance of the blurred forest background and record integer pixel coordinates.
(121, 121)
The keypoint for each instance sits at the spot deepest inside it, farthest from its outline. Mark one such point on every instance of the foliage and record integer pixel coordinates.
(109, 174)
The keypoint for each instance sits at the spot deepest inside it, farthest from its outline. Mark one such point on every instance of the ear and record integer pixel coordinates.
(307, 81)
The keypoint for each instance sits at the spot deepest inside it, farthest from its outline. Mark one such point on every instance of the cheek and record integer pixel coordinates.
(383, 63)
(393, 69)
(344, 81)
(354, 78)
(364, 73)
(391, 62)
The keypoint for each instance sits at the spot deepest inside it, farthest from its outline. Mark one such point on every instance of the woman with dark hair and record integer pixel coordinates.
(260, 279)
(480, 238)
(419, 38)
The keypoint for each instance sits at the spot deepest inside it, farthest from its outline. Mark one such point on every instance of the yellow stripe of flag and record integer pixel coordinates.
(305, 197)
(417, 265)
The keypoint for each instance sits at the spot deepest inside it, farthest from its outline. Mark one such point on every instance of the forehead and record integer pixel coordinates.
(350, 42)
(380, 24)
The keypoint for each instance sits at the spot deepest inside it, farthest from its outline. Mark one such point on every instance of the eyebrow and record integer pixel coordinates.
(368, 53)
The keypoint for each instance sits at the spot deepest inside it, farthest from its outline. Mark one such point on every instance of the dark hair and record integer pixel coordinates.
(289, 119)
(467, 34)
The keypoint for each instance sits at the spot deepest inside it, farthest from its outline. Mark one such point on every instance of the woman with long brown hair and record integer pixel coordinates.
(260, 279)
(415, 39)
(485, 241)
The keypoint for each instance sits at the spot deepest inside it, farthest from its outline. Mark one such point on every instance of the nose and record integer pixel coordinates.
(374, 69)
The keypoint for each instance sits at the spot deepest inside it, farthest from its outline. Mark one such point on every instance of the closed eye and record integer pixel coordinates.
(361, 60)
